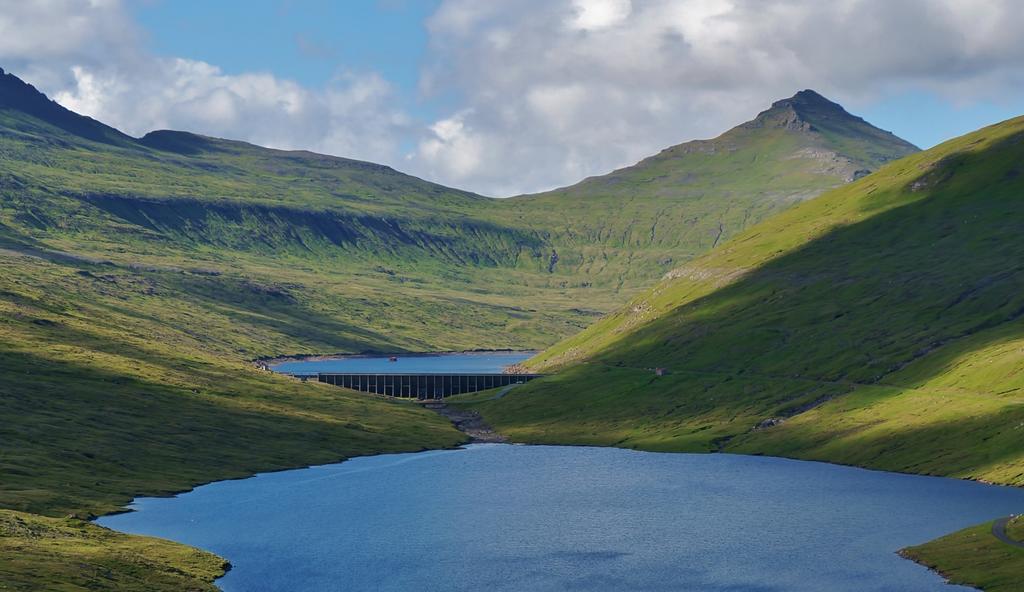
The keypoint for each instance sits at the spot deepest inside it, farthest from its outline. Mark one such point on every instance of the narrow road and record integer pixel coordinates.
(505, 391)
(999, 531)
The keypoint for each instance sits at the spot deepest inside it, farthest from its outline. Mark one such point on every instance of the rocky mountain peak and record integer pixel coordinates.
(805, 111)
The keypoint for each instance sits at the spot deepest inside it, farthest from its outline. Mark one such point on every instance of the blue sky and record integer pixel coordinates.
(926, 118)
(308, 41)
(511, 96)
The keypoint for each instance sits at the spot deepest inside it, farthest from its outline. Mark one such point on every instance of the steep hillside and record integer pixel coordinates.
(880, 325)
(641, 221)
(388, 258)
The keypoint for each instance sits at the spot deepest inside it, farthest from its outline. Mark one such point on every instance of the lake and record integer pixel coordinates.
(504, 517)
(455, 363)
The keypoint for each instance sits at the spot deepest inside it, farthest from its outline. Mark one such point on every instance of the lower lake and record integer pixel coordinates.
(455, 363)
(539, 518)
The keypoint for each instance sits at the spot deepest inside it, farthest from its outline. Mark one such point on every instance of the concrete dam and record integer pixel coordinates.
(419, 386)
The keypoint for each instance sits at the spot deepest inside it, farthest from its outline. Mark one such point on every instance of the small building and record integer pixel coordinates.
(660, 371)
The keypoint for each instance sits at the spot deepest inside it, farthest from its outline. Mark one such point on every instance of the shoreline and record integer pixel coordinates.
(227, 565)
(474, 440)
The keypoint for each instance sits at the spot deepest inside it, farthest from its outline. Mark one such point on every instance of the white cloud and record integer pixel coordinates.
(599, 14)
(353, 117)
(453, 147)
(549, 91)
(557, 104)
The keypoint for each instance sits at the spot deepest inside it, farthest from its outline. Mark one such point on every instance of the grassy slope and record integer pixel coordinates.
(69, 555)
(878, 325)
(117, 385)
(975, 558)
(340, 235)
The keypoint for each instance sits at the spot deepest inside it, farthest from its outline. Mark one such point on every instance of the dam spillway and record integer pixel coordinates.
(419, 386)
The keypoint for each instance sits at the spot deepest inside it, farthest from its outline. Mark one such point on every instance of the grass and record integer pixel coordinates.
(69, 555)
(116, 385)
(119, 386)
(974, 557)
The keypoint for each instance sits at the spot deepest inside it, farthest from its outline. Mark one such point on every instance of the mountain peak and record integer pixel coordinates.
(808, 103)
(809, 112)
(811, 97)
(803, 111)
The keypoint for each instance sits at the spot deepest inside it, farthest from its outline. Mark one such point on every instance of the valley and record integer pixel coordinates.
(801, 303)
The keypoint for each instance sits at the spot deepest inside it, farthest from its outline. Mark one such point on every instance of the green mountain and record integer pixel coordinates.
(881, 324)
(644, 220)
(140, 277)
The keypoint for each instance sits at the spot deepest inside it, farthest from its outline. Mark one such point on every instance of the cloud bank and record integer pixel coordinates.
(549, 91)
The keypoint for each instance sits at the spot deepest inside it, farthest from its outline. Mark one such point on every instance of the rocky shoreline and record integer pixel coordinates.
(467, 422)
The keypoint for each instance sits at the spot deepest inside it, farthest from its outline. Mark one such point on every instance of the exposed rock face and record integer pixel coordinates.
(788, 118)
(771, 422)
(832, 163)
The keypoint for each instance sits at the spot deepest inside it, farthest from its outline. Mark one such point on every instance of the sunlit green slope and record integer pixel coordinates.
(880, 324)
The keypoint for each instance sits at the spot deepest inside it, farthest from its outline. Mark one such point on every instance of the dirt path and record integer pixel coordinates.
(999, 531)
(467, 422)
(505, 391)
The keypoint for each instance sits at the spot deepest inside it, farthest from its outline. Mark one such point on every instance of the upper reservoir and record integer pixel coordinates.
(455, 363)
(501, 517)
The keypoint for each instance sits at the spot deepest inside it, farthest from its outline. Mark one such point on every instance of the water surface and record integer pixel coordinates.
(457, 363)
(501, 517)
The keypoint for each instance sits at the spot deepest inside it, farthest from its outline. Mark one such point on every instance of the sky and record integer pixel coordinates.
(513, 96)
